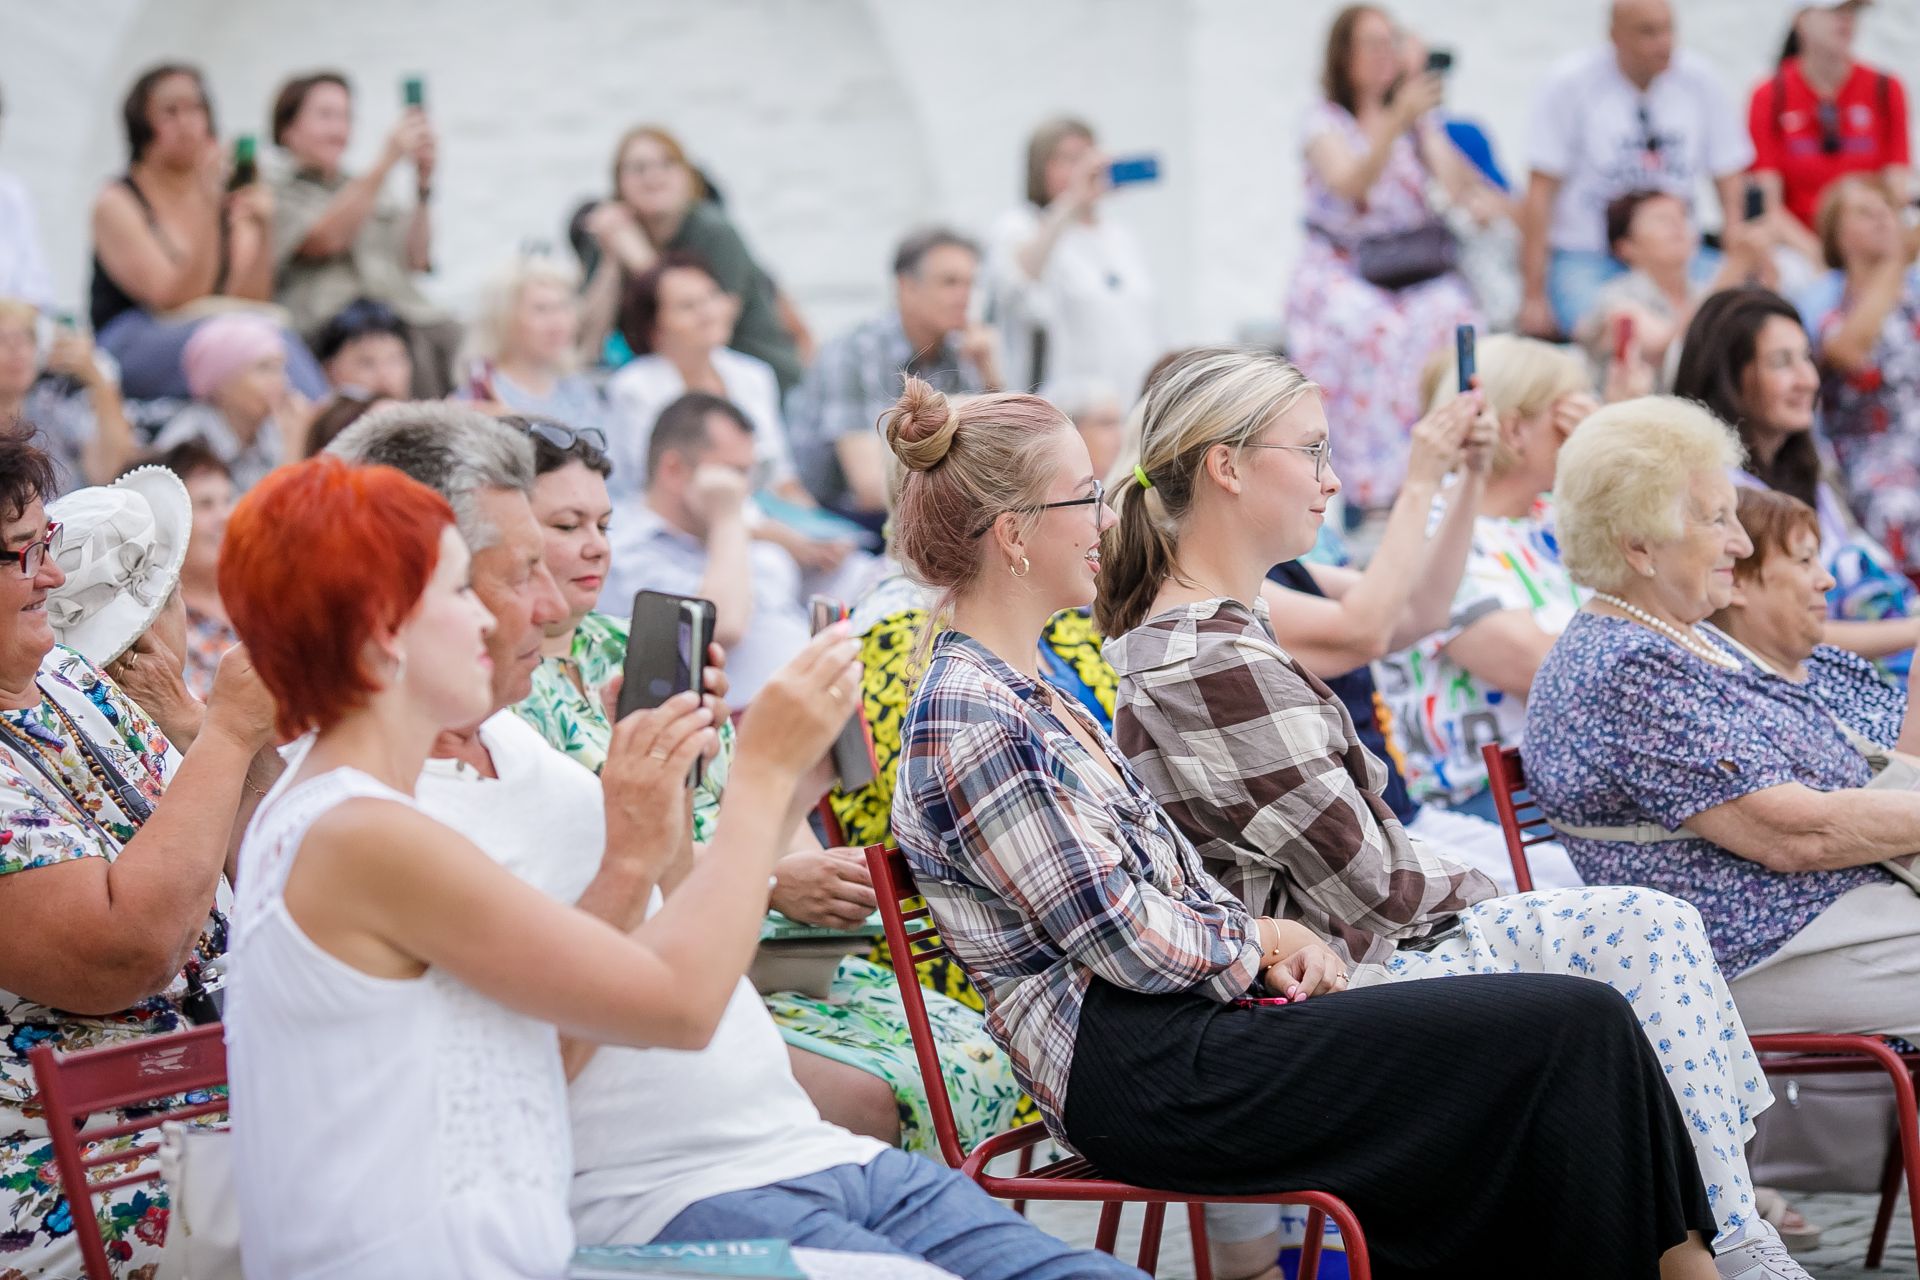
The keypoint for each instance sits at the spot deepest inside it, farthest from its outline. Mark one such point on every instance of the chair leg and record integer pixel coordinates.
(1109, 1227)
(1890, 1179)
(1026, 1167)
(1202, 1247)
(1150, 1226)
(1909, 1142)
(1359, 1262)
(1310, 1247)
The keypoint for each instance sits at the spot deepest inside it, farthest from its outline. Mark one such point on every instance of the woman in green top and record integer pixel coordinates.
(661, 205)
(851, 1051)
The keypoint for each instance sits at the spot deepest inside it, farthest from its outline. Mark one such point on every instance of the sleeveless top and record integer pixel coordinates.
(429, 1117)
(106, 300)
(1357, 691)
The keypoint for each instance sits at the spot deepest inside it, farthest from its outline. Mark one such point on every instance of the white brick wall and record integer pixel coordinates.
(832, 124)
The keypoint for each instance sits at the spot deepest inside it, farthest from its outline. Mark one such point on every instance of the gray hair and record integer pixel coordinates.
(456, 451)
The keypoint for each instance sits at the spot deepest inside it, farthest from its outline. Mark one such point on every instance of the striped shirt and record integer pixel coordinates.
(1259, 764)
(1044, 871)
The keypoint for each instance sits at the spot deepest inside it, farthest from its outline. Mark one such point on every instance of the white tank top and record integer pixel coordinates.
(404, 1128)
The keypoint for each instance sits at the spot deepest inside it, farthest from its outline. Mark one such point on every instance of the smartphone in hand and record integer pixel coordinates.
(854, 765)
(1622, 337)
(1756, 205)
(413, 92)
(1463, 355)
(1131, 169)
(1439, 61)
(667, 644)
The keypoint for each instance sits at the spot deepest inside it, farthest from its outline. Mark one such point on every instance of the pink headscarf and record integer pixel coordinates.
(223, 346)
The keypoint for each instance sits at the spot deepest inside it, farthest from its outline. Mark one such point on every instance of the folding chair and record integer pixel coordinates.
(1524, 826)
(1072, 1178)
(76, 1086)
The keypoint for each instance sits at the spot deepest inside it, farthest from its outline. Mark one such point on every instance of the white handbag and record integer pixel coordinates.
(203, 1219)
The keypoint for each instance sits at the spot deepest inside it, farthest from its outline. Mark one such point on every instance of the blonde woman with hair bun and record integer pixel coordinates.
(1125, 982)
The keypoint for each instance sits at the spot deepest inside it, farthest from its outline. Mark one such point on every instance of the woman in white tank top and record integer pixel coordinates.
(399, 1104)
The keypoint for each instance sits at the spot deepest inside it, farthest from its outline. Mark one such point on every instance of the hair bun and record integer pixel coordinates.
(920, 426)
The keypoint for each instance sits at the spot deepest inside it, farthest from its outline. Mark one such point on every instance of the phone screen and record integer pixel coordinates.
(854, 765)
(413, 92)
(1756, 202)
(1440, 61)
(1463, 353)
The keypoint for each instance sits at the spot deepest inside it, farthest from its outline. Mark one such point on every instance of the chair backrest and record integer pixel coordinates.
(153, 1070)
(1521, 821)
(913, 941)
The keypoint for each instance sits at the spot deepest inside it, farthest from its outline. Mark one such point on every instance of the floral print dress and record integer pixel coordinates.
(1871, 416)
(42, 825)
(1364, 344)
(861, 1022)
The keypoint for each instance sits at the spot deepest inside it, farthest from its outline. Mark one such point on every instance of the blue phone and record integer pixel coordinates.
(1131, 169)
(1463, 355)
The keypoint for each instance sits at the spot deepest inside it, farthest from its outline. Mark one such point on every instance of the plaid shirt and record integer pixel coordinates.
(1259, 764)
(1043, 870)
(854, 380)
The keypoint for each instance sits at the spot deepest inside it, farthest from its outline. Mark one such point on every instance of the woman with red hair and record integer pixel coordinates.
(400, 984)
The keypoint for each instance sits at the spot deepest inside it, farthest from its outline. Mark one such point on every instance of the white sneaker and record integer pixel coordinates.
(1755, 1253)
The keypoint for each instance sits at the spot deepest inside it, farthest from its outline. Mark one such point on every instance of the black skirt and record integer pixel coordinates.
(1489, 1126)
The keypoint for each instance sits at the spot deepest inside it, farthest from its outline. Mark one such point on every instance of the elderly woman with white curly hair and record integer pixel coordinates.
(1666, 759)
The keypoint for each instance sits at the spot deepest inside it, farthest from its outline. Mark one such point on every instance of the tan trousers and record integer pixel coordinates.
(1855, 969)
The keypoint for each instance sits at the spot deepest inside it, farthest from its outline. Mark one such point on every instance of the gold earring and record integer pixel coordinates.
(1025, 566)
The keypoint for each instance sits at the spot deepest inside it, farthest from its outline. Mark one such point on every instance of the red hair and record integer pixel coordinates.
(317, 558)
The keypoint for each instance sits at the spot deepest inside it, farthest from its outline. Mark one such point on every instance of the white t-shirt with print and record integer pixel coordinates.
(1587, 132)
(1442, 713)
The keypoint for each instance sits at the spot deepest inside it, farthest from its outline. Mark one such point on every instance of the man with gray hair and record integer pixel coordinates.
(832, 414)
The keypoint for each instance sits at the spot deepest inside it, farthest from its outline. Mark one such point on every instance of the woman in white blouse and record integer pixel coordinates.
(1070, 287)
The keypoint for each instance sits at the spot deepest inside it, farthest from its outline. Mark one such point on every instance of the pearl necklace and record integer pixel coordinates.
(1691, 640)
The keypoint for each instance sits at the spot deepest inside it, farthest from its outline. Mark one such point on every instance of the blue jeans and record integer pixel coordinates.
(1574, 278)
(898, 1204)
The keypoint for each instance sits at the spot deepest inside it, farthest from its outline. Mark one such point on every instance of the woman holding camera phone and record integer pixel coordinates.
(456, 967)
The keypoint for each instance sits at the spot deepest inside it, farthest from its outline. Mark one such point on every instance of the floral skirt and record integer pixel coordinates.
(1653, 949)
(863, 1024)
(37, 1233)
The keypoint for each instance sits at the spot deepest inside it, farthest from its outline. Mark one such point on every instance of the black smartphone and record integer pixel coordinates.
(853, 763)
(1439, 61)
(413, 91)
(1463, 355)
(667, 644)
(1756, 202)
(246, 166)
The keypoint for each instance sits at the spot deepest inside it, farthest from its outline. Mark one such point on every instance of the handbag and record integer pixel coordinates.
(203, 1218)
(1401, 259)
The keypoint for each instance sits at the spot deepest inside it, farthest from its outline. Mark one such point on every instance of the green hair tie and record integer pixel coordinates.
(1140, 474)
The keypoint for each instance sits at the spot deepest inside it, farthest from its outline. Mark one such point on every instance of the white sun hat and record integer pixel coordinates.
(121, 547)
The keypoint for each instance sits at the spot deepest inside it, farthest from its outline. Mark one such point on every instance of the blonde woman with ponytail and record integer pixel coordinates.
(1167, 1033)
(1261, 768)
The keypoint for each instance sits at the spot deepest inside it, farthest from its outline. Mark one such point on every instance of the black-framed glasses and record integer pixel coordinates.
(1094, 499)
(32, 556)
(1322, 454)
(1650, 141)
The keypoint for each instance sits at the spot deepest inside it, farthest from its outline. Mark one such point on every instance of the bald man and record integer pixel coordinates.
(1633, 115)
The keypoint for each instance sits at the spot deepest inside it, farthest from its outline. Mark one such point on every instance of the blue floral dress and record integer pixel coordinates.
(43, 826)
(1625, 727)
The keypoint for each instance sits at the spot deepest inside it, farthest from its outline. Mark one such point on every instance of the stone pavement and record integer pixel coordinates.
(1842, 1254)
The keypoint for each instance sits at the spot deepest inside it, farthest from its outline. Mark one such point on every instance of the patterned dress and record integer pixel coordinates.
(861, 1022)
(1625, 727)
(208, 639)
(1442, 712)
(41, 826)
(1363, 344)
(1872, 418)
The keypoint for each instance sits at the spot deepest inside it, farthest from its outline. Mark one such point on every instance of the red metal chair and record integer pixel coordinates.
(1524, 826)
(76, 1086)
(1071, 1178)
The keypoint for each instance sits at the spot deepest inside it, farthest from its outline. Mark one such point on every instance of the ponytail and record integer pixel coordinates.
(1135, 563)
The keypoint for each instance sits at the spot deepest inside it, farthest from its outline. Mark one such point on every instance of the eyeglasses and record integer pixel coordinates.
(1094, 499)
(1322, 454)
(563, 437)
(1650, 142)
(32, 556)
